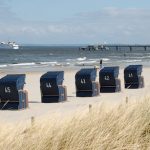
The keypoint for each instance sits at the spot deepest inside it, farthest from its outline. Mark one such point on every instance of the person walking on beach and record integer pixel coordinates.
(101, 64)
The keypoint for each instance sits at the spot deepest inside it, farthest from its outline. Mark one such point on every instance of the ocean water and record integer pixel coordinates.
(50, 57)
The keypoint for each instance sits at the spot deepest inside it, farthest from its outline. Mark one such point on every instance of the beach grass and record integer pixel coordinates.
(123, 127)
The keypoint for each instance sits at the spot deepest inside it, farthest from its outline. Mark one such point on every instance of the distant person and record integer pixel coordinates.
(101, 64)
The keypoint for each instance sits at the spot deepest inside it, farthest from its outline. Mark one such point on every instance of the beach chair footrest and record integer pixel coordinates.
(135, 85)
(22, 103)
(110, 89)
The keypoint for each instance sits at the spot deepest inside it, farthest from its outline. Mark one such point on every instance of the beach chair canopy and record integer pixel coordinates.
(133, 70)
(87, 74)
(53, 78)
(10, 86)
(111, 71)
(15, 80)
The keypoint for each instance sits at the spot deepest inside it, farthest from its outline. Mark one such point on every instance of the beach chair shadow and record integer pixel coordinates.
(34, 102)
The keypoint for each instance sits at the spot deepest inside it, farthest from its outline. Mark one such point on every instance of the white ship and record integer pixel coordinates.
(9, 45)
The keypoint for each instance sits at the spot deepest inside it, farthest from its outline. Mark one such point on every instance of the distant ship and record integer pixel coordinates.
(9, 45)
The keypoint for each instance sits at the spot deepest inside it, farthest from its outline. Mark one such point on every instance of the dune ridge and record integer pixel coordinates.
(125, 126)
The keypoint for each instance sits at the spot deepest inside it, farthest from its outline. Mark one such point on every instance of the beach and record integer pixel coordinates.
(73, 104)
(47, 102)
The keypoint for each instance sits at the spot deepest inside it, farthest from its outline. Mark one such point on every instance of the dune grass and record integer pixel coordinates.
(124, 127)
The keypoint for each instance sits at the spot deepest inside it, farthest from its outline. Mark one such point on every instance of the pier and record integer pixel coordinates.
(115, 46)
(127, 46)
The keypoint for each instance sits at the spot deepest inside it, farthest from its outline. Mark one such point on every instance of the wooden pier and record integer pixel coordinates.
(127, 46)
(115, 46)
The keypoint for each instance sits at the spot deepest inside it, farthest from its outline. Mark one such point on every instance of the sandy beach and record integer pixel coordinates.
(73, 104)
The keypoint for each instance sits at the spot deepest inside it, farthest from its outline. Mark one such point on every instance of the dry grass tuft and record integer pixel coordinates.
(125, 127)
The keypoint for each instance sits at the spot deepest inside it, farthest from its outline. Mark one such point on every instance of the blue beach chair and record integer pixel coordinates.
(132, 77)
(51, 87)
(12, 95)
(85, 83)
(108, 79)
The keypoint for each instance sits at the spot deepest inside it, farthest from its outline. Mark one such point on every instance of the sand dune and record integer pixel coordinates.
(124, 127)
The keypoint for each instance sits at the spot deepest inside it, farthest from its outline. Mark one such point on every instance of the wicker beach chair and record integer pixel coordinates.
(12, 93)
(51, 87)
(132, 77)
(86, 86)
(108, 79)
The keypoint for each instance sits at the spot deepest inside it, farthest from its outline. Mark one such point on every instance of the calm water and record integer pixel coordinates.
(29, 57)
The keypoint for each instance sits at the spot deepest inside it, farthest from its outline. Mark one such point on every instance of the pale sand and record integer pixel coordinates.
(74, 104)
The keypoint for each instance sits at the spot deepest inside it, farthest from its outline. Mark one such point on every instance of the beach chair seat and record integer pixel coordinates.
(12, 95)
(51, 87)
(52, 98)
(89, 93)
(111, 89)
(132, 77)
(85, 83)
(15, 105)
(108, 79)
(135, 85)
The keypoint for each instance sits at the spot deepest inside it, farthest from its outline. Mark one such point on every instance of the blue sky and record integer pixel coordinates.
(75, 21)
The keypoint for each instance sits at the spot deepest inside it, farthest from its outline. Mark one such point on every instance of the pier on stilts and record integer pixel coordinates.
(114, 46)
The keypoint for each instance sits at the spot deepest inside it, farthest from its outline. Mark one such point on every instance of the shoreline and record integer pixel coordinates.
(54, 68)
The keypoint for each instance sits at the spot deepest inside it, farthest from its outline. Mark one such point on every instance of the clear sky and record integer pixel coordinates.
(75, 21)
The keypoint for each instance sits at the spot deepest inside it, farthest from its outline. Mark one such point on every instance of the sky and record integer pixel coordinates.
(75, 21)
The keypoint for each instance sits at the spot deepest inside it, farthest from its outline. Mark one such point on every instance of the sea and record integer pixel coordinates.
(40, 58)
